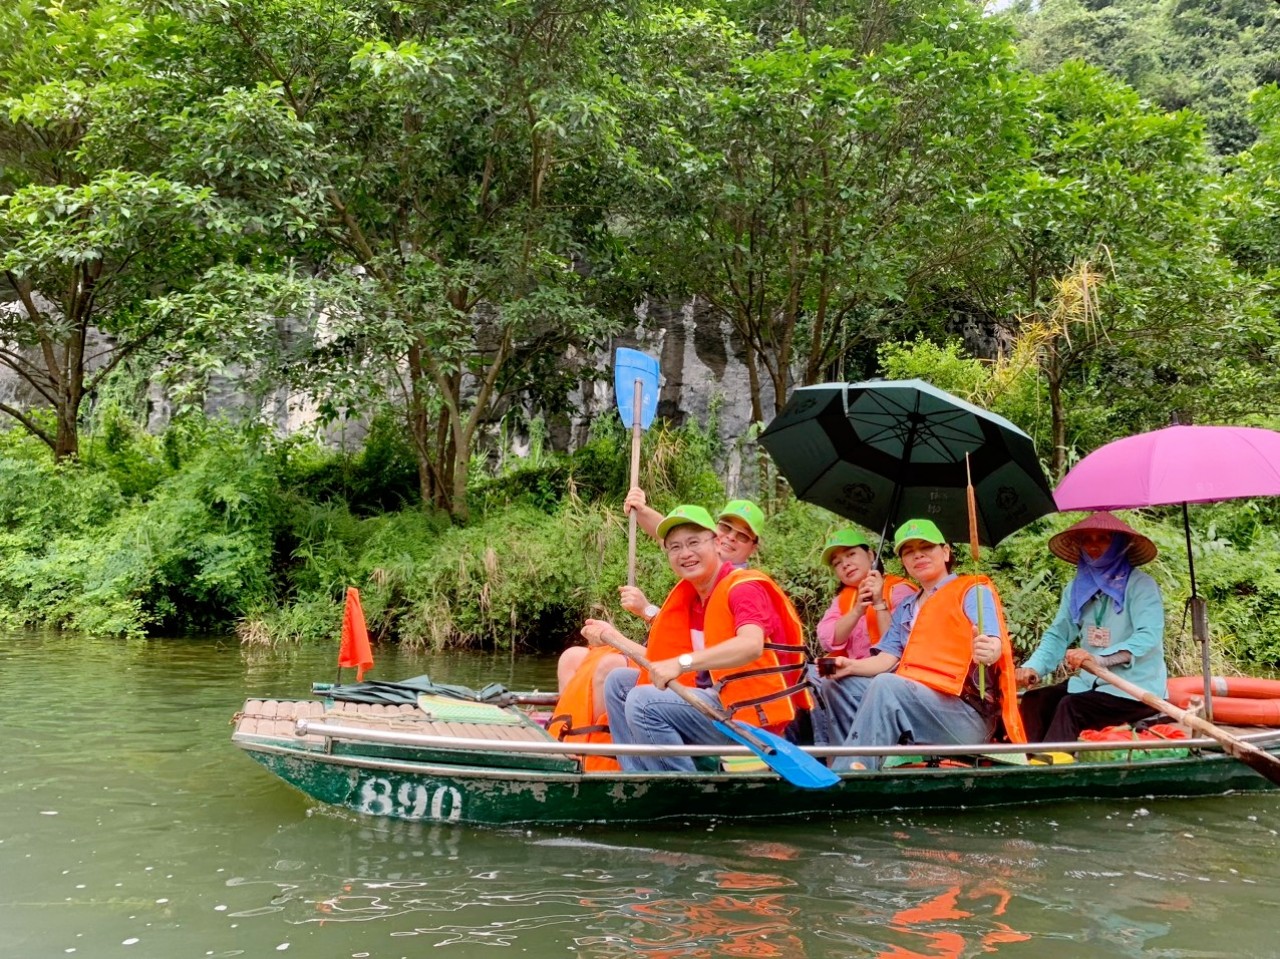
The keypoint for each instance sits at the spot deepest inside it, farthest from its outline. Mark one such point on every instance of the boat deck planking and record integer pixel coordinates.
(276, 718)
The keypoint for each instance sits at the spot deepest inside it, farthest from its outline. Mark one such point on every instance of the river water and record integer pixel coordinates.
(131, 827)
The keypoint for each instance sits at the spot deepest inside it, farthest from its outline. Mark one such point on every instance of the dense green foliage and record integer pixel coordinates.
(235, 529)
(1207, 55)
(431, 217)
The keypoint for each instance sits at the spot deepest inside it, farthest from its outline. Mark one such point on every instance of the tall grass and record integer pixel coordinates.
(214, 528)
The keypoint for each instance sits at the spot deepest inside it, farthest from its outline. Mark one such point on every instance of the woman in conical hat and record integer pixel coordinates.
(1110, 611)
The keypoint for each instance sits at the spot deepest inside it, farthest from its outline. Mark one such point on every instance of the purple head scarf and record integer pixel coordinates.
(1108, 574)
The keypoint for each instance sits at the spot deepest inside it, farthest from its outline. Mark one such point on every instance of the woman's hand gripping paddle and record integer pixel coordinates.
(1259, 760)
(635, 384)
(785, 758)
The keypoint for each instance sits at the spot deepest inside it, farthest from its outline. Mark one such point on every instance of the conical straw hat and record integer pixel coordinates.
(1066, 545)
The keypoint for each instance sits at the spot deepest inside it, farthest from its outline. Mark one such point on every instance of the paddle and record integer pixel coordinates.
(972, 504)
(786, 759)
(635, 384)
(1259, 760)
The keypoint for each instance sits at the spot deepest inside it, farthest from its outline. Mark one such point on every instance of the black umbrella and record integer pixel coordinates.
(885, 451)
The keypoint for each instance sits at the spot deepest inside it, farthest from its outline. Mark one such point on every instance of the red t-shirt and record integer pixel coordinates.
(748, 602)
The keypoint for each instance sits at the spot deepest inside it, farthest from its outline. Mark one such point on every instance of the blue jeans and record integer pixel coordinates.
(898, 711)
(837, 703)
(651, 716)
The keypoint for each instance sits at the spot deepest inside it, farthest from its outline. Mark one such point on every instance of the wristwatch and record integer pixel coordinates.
(651, 612)
(685, 660)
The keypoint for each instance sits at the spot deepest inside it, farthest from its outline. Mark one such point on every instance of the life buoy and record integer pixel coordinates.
(1238, 700)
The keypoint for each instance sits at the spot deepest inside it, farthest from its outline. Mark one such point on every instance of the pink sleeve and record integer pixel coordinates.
(859, 644)
(827, 625)
(899, 593)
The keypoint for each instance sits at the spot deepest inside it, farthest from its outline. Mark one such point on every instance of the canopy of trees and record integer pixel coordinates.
(432, 217)
(458, 203)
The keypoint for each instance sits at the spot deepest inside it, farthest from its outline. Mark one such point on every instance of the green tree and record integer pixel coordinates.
(1251, 201)
(1109, 255)
(84, 243)
(449, 172)
(1204, 55)
(830, 182)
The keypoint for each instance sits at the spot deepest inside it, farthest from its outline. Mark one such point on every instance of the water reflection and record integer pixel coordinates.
(127, 817)
(684, 895)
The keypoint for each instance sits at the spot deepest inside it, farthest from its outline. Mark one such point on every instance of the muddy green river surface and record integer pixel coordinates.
(131, 827)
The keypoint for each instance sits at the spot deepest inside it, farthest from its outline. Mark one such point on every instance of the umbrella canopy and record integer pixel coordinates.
(884, 451)
(1177, 464)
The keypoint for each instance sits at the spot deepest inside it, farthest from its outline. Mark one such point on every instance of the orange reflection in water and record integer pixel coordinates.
(719, 925)
(945, 907)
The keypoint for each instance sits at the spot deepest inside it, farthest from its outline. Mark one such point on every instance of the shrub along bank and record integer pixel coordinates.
(212, 528)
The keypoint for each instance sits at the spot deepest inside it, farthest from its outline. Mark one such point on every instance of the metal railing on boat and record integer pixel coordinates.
(356, 734)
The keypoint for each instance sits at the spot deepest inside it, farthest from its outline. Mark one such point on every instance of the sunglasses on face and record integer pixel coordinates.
(736, 535)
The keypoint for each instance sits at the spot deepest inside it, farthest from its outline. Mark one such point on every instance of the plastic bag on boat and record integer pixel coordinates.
(407, 691)
(1126, 733)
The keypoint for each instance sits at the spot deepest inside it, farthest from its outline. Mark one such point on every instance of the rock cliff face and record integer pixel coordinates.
(701, 358)
(702, 364)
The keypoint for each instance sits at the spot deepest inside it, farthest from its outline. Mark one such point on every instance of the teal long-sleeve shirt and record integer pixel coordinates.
(1138, 628)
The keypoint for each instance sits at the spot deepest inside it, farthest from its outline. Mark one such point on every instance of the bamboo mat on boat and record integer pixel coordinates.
(450, 710)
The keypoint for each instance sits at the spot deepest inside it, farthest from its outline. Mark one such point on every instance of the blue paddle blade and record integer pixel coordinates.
(629, 366)
(785, 758)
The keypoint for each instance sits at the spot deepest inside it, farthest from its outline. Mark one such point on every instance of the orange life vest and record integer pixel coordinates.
(939, 651)
(848, 595)
(767, 690)
(573, 719)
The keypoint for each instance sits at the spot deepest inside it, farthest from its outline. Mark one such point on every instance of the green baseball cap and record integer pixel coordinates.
(924, 529)
(685, 516)
(843, 539)
(747, 511)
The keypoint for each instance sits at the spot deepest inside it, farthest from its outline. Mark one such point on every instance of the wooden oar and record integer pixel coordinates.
(1259, 760)
(972, 502)
(635, 375)
(785, 758)
(635, 481)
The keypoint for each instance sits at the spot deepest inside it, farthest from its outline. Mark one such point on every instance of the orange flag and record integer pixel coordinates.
(355, 649)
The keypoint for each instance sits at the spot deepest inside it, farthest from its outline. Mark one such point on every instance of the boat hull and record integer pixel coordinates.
(487, 796)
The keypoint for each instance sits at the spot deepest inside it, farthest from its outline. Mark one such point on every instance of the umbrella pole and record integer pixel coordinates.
(884, 531)
(1199, 620)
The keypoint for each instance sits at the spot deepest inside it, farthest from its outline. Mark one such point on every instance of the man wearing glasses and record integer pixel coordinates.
(737, 531)
(721, 632)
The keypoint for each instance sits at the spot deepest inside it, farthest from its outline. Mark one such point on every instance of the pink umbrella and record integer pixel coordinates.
(1177, 464)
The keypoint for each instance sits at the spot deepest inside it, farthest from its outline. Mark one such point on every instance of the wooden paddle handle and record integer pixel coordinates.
(635, 479)
(681, 690)
(1257, 759)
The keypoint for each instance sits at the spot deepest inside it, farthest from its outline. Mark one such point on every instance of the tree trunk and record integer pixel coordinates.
(753, 380)
(420, 429)
(66, 444)
(458, 498)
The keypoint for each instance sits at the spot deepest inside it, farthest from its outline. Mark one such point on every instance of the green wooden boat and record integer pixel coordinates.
(488, 765)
